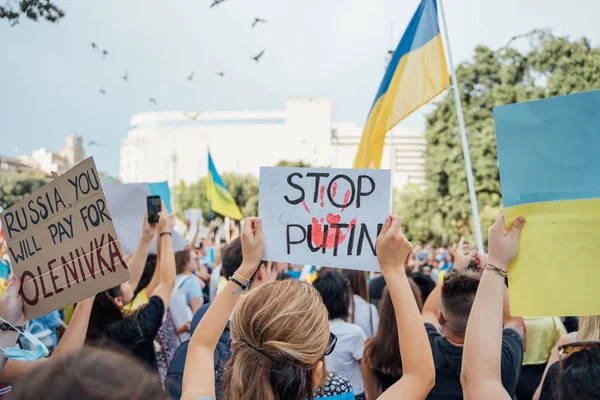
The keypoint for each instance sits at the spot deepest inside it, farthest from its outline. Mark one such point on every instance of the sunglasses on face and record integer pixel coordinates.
(571, 348)
(331, 344)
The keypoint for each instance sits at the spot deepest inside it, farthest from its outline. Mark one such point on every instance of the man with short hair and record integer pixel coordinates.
(231, 261)
(449, 305)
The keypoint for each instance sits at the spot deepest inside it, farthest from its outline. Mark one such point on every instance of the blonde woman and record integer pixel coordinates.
(280, 333)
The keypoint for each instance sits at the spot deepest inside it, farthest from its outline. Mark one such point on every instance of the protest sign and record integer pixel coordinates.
(193, 215)
(128, 204)
(548, 157)
(62, 242)
(326, 217)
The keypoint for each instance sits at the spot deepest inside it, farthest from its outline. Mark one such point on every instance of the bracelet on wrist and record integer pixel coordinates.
(241, 276)
(165, 233)
(7, 326)
(496, 270)
(243, 286)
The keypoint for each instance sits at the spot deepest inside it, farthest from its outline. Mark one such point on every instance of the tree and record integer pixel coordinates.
(552, 66)
(16, 185)
(243, 189)
(32, 9)
(293, 164)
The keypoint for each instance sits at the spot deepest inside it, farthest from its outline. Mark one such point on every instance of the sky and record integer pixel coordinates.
(50, 78)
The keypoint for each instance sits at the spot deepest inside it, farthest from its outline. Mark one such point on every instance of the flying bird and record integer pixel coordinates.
(221, 74)
(258, 56)
(97, 144)
(94, 46)
(191, 76)
(104, 53)
(216, 3)
(152, 100)
(257, 21)
(193, 116)
(102, 92)
(125, 76)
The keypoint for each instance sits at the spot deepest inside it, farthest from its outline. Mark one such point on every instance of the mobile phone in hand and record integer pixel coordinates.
(153, 203)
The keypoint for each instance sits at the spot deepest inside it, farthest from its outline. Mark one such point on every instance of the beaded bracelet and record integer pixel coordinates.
(496, 270)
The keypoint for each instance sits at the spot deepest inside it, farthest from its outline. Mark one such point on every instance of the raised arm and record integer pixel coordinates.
(199, 375)
(72, 340)
(192, 243)
(165, 261)
(480, 377)
(418, 375)
(431, 308)
(137, 262)
(11, 312)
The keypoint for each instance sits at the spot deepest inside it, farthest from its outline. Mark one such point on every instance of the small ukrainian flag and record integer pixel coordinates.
(416, 74)
(219, 197)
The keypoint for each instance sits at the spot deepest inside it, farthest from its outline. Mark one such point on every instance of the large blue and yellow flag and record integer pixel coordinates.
(219, 197)
(416, 74)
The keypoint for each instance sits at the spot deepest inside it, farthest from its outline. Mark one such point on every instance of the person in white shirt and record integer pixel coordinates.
(361, 312)
(345, 360)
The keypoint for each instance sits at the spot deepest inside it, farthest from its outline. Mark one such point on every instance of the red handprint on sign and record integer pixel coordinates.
(329, 236)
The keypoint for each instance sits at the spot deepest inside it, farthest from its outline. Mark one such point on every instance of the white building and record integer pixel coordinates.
(48, 161)
(173, 146)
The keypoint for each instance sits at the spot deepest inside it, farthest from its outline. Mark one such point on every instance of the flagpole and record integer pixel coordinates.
(463, 137)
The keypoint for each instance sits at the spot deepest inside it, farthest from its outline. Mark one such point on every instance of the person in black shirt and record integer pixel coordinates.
(136, 332)
(456, 295)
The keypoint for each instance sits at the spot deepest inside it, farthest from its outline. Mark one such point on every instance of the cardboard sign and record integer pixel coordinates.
(62, 242)
(326, 217)
(548, 157)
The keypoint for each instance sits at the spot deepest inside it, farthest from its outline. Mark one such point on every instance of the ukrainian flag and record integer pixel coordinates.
(416, 74)
(219, 197)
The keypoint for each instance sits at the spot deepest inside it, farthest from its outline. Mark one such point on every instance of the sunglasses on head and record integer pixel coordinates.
(331, 344)
(571, 348)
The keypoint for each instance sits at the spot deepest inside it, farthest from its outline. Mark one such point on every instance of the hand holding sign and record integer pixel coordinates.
(392, 246)
(503, 244)
(11, 303)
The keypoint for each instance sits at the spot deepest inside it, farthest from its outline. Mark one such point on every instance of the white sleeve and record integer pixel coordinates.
(359, 344)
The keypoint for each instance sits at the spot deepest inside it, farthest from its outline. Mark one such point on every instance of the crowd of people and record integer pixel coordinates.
(216, 321)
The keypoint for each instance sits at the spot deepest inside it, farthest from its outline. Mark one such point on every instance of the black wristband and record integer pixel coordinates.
(4, 326)
(165, 233)
(240, 284)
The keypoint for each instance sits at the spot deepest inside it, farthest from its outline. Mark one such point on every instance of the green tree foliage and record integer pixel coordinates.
(16, 185)
(552, 66)
(243, 188)
(35, 10)
(293, 164)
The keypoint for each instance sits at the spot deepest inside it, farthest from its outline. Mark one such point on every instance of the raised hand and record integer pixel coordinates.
(163, 219)
(148, 230)
(463, 255)
(253, 245)
(503, 244)
(392, 246)
(11, 303)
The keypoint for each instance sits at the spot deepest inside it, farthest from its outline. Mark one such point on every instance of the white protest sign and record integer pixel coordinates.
(62, 242)
(127, 202)
(323, 216)
(193, 215)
